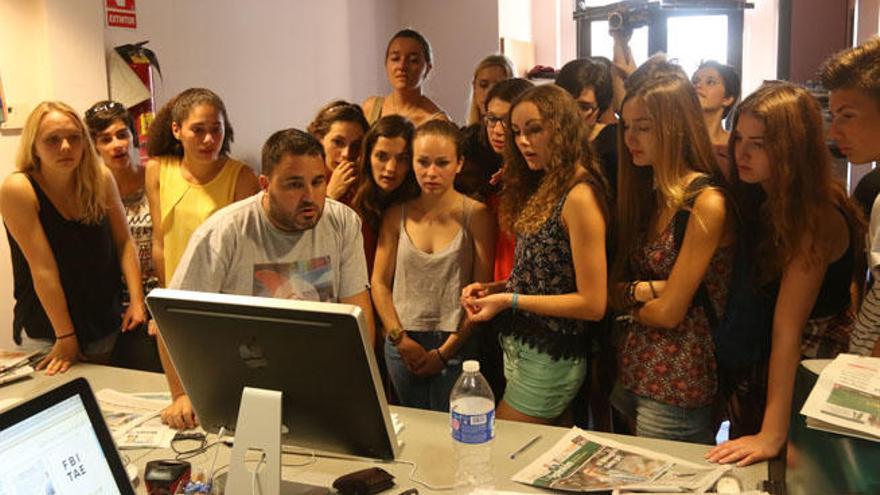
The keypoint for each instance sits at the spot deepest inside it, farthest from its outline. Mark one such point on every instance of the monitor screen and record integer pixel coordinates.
(318, 355)
(59, 443)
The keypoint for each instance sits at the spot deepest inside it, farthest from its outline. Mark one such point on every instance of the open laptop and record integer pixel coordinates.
(59, 443)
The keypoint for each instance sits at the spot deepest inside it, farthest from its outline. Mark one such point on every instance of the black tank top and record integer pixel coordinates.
(834, 294)
(89, 270)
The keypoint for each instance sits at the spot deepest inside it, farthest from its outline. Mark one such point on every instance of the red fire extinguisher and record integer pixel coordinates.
(142, 61)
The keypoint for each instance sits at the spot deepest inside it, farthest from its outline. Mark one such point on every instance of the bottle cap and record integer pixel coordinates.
(471, 366)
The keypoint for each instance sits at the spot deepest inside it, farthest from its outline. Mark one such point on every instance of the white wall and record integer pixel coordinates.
(274, 63)
(461, 33)
(760, 44)
(515, 19)
(49, 49)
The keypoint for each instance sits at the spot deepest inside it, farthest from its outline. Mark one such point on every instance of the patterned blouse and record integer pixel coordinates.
(543, 265)
(674, 366)
(137, 211)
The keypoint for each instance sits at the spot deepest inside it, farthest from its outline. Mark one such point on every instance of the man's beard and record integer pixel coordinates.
(288, 221)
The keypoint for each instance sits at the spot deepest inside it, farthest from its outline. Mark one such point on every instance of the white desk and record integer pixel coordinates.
(425, 436)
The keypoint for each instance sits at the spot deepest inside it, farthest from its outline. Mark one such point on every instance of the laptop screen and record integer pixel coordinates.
(55, 450)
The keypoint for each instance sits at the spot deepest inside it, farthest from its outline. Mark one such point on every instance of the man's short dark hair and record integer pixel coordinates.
(289, 142)
(854, 68)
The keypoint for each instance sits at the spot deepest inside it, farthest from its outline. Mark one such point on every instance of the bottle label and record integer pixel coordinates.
(473, 428)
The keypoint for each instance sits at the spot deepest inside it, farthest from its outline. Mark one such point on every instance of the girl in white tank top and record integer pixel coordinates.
(429, 249)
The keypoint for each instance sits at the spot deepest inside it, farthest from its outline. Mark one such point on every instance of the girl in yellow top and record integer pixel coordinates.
(190, 175)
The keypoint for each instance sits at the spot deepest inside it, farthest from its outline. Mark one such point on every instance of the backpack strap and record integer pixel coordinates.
(679, 226)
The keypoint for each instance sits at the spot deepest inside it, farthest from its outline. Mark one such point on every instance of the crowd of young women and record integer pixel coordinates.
(553, 230)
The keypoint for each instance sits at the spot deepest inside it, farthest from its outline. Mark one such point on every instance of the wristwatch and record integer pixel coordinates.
(395, 335)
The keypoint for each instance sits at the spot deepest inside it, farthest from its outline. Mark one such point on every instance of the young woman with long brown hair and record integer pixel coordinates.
(554, 201)
(385, 176)
(666, 364)
(340, 126)
(808, 233)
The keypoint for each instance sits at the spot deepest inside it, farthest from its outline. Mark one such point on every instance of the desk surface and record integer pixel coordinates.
(425, 436)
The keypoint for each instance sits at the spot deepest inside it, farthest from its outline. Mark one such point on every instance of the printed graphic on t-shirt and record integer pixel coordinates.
(309, 280)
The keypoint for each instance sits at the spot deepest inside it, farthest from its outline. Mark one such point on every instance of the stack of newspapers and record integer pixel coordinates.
(846, 398)
(584, 462)
(15, 365)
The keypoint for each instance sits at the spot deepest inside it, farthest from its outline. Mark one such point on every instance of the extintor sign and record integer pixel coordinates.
(121, 13)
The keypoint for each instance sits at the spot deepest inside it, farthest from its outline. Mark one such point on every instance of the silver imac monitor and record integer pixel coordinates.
(318, 355)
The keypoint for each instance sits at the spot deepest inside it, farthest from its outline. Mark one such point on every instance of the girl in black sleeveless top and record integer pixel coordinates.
(69, 241)
(807, 232)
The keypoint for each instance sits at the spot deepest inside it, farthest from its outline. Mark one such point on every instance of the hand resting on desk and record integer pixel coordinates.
(179, 415)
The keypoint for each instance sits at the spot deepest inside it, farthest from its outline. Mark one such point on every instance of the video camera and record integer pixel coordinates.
(629, 15)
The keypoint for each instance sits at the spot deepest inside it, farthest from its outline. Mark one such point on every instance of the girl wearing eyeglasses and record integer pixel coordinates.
(69, 244)
(112, 130)
(190, 174)
(589, 82)
(554, 202)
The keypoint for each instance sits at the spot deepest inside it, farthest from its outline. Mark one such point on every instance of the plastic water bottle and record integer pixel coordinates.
(472, 415)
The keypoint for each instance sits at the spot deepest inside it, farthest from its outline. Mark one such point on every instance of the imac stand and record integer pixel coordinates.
(258, 429)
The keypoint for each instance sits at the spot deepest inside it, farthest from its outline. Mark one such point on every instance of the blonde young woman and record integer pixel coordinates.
(408, 61)
(807, 232)
(430, 247)
(69, 241)
(666, 362)
(190, 174)
(554, 202)
(489, 72)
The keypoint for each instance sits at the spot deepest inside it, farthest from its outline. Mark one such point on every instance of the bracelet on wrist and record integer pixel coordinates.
(395, 335)
(72, 333)
(514, 302)
(653, 290)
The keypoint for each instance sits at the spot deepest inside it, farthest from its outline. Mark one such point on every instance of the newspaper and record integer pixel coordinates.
(584, 462)
(846, 398)
(15, 365)
(134, 420)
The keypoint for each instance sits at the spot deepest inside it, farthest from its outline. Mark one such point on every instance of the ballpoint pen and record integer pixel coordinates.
(524, 447)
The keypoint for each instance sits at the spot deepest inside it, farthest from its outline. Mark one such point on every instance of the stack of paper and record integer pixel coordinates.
(134, 419)
(584, 462)
(15, 365)
(846, 398)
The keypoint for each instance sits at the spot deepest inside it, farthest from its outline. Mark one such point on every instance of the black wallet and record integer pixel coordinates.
(364, 482)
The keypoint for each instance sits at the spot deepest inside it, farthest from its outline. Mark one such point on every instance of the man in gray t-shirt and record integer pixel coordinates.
(287, 241)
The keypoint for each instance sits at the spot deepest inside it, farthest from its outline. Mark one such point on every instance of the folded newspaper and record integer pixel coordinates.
(846, 398)
(15, 365)
(134, 420)
(584, 462)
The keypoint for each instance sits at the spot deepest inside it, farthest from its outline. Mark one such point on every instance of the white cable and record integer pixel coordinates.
(216, 453)
(420, 482)
(312, 458)
(254, 474)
